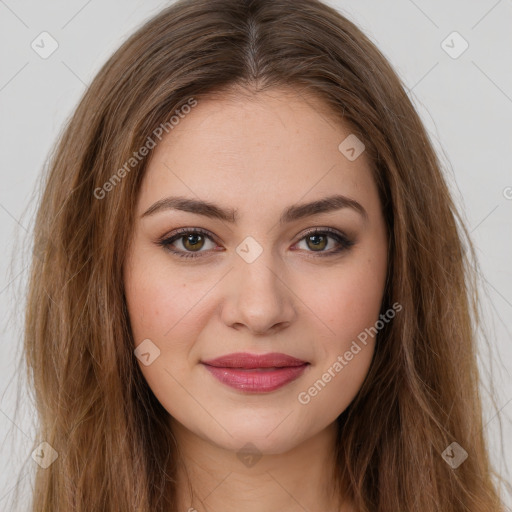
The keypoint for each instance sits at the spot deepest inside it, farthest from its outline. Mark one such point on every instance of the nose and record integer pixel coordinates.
(258, 298)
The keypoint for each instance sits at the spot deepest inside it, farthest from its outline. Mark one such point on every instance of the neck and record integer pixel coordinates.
(212, 478)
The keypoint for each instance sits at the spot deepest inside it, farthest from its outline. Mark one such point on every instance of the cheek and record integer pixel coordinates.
(165, 308)
(350, 309)
(349, 300)
(161, 302)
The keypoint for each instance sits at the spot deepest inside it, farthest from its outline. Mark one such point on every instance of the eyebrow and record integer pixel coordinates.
(290, 214)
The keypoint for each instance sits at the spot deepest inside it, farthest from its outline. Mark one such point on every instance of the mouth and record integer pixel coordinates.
(256, 373)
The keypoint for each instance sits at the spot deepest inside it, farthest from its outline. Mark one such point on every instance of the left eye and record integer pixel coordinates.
(193, 240)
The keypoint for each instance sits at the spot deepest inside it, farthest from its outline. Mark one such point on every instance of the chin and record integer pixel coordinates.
(273, 435)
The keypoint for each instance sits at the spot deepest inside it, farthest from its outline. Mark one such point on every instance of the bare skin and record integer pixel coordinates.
(258, 154)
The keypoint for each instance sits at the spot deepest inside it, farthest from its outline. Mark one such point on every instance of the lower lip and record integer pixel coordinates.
(256, 381)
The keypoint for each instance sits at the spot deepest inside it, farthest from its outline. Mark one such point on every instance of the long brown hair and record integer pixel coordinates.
(115, 450)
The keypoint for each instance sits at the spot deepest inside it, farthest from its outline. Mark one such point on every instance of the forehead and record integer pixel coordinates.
(251, 150)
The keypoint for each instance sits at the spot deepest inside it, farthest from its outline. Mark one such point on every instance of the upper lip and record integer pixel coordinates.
(246, 360)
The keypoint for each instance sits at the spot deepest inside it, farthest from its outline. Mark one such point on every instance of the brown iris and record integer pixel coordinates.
(193, 241)
(317, 245)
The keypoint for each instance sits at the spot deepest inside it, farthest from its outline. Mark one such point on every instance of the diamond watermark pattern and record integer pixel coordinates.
(147, 352)
(249, 455)
(454, 45)
(455, 455)
(351, 147)
(45, 455)
(44, 45)
(249, 249)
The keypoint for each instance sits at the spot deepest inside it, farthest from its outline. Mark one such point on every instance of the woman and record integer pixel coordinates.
(188, 348)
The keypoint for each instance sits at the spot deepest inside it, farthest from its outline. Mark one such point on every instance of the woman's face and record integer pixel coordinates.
(256, 280)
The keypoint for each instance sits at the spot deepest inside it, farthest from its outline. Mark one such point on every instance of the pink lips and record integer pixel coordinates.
(256, 373)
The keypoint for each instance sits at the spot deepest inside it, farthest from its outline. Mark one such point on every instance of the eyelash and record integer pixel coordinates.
(344, 242)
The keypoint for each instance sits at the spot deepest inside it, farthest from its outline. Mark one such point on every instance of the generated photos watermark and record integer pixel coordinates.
(304, 397)
(138, 156)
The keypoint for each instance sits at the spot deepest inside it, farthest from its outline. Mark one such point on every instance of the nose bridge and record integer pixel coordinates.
(262, 299)
(260, 275)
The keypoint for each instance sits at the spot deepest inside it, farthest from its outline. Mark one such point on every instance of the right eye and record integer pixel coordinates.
(192, 239)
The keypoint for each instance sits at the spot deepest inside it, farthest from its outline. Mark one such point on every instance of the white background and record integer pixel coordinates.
(466, 104)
